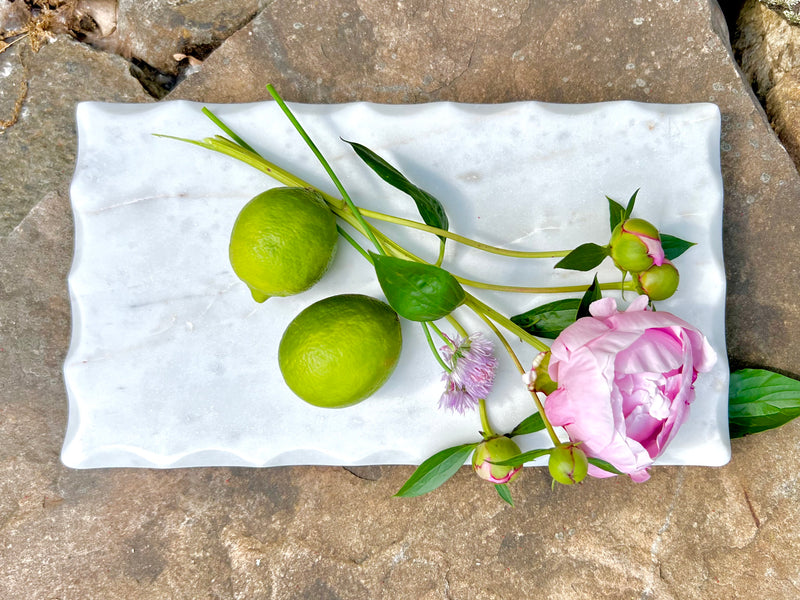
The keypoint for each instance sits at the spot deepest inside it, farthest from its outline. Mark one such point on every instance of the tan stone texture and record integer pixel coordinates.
(333, 533)
(783, 106)
(769, 50)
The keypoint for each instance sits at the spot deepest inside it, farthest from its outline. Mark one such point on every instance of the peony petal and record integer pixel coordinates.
(655, 351)
(654, 249)
(614, 344)
(599, 473)
(640, 476)
(639, 304)
(703, 355)
(603, 308)
(579, 333)
(645, 429)
(626, 455)
(581, 401)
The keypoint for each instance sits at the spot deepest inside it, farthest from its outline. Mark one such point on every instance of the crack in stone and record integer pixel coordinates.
(655, 547)
(447, 594)
(756, 520)
(365, 473)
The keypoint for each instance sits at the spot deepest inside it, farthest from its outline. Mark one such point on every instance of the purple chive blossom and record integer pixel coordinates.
(470, 379)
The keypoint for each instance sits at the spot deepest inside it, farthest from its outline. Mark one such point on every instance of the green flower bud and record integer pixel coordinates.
(568, 464)
(635, 246)
(538, 378)
(494, 450)
(658, 282)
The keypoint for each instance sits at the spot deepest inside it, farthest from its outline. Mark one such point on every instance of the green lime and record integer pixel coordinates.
(282, 242)
(340, 350)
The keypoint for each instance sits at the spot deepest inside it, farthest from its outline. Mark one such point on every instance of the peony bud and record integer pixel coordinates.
(538, 378)
(636, 246)
(568, 464)
(658, 282)
(495, 450)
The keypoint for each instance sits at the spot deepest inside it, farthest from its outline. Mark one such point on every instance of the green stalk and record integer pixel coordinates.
(255, 160)
(567, 289)
(325, 165)
(440, 258)
(457, 326)
(550, 431)
(433, 347)
(221, 124)
(250, 157)
(481, 308)
(488, 432)
(239, 149)
(353, 243)
(441, 334)
(460, 238)
(398, 250)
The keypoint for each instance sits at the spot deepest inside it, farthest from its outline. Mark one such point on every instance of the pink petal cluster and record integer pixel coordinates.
(653, 245)
(471, 376)
(625, 382)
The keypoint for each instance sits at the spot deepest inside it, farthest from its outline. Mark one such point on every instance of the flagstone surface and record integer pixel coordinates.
(336, 533)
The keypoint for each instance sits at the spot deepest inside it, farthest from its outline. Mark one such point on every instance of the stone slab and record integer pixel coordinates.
(315, 532)
(39, 151)
(162, 34)
(768, 47)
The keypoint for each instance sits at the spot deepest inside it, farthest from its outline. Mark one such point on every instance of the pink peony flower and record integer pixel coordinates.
(625, 382)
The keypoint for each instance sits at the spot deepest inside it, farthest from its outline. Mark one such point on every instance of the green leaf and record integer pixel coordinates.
(430, 209)
(434, 471)
(528, 425)
(521, 459)
(584, 258)
(417, 291)
(606, 466)
(593, 292)
(629, 208)
(759, 400)
(674, 246)
(616, 213)
(548, 320)
(504, 492)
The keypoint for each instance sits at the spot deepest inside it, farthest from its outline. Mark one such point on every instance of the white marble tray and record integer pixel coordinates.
(172, 364)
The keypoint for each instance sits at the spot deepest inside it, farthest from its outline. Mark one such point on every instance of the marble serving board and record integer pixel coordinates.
(172, 364)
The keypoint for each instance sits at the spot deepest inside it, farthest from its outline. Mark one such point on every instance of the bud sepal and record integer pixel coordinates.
(658, 282)
(568, 464)
(495, 450)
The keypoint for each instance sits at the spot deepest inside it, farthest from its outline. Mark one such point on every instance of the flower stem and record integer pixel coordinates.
(433, 347)
(441, 335)
(457, 326)
(460, 238)
(243, 152)
(440, 258)
(397, 250)
(481, 308)
(221, 124)
(550, 431)
(325, 165)
(566, 289)
(488, 432)
(504, 342)
(353, 243)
